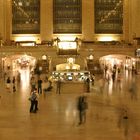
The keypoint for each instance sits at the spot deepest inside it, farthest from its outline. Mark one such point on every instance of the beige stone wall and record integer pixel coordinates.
(135, 17)
(131, 20)
(46, 18)
(87, 20)
(126, 19)
(5, 19)
(8, 16)
(2, 19)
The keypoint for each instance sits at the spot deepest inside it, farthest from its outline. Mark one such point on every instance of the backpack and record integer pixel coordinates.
(33, 96)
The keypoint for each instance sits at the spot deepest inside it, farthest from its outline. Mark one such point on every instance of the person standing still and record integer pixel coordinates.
(58, 86)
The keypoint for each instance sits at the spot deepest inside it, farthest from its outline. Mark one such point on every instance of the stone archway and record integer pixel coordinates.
(123, 61)
(18, 61)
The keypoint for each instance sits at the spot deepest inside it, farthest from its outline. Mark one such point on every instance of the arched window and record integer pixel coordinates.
(26, 16)
(108, 16)
(67, 16)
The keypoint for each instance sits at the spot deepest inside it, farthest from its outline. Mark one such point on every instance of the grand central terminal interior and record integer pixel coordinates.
(68, 49)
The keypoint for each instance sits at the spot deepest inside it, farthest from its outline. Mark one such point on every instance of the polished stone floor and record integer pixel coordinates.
(111, 115)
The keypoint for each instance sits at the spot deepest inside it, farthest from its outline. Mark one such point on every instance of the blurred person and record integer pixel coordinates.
(101, 85)
(47, 86)
(133, 90)
(123, 120)
(113, 75)
(34, 101)
(33, 83)
(58, 86)
(82, 107)
(14, 84)
(8, 84)
(105, 70)
(87, 82)
(39, 82)
(18, 76)
(119, 81)
(93, 79)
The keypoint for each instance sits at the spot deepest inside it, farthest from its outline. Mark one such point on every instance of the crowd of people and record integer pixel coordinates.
(43, 85)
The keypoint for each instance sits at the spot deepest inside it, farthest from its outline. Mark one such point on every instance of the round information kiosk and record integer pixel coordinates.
(71, 77)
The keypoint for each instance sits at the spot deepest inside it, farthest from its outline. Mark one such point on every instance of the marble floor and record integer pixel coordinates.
(111, 115)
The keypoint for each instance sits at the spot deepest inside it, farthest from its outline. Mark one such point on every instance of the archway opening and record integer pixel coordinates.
(20, 67)
(123, 62)
(18, 62)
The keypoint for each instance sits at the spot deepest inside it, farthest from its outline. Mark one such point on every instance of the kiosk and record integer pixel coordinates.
(71, 81)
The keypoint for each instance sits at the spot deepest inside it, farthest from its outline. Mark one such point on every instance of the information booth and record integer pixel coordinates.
(72, 81)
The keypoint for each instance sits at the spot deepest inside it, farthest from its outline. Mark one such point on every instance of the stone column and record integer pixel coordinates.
(46, 19)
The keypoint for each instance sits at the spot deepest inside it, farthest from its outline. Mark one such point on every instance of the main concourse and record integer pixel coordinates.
(83, 51)
(111, 115)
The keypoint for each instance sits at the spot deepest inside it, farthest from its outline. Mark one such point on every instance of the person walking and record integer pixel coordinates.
(34, 101)
(82, 107)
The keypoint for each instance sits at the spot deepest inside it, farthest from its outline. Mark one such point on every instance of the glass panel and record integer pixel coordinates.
(109, 16)
(26, 16)
(67, 16)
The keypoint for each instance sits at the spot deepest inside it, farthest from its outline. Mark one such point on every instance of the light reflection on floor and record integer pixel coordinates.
(25, 79)
(57, 118)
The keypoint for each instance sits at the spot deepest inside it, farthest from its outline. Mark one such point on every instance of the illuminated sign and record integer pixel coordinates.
(67, 45)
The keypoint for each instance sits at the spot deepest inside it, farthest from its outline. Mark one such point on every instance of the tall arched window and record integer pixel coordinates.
(67, 16)
(25, 16)
(108, 16)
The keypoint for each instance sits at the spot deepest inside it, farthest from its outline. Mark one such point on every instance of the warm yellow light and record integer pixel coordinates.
(27, 44)
(67, 67)
(25, 38)
(91, 57)
(106, 38)
(67, 38)
(70, 60)
(74, 67)
(67, 45)
(44, 57)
